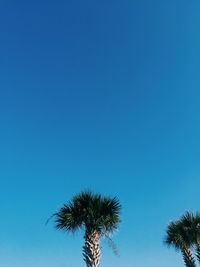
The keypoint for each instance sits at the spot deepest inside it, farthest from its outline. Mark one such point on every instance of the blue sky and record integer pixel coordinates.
(101, 95)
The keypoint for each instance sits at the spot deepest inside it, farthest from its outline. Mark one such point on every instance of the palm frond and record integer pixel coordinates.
(112, 245)
(89, 210)
(69, 218)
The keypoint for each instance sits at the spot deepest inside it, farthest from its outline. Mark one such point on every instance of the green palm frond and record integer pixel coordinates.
(89, 210)
(69, 218)
(112, 245)
(191, 224)
(175, 235)
(110, 214)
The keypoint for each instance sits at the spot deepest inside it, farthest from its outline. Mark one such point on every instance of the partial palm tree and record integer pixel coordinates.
(191, 223)
(98, 216)
(178, 237)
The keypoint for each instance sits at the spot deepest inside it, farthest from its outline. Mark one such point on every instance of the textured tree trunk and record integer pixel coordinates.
(188, 257)
(198, 251)
(91, 249)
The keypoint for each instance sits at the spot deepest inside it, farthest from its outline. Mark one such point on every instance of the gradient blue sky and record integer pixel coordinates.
(102, 95)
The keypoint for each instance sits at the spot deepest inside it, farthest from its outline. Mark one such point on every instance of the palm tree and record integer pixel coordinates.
(178, 237)
(191, 223)
(97, 215)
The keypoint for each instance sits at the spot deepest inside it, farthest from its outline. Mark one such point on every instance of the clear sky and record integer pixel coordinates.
(99, 94)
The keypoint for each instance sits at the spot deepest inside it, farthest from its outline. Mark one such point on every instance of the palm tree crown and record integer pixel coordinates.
(97, 215)
(183, 235)
(90, 211)
(191, 224)
(176, 236)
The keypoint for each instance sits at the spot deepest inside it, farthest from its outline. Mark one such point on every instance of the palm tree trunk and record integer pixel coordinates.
(91, 249)
(198, 251)
(188, 258)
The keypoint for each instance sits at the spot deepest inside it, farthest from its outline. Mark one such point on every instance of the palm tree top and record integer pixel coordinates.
(190, 219)
(191, 224)
(176, 235)
(181, 233)
(93, 212)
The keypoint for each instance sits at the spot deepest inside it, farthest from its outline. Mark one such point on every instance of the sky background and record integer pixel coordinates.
(99, 94)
